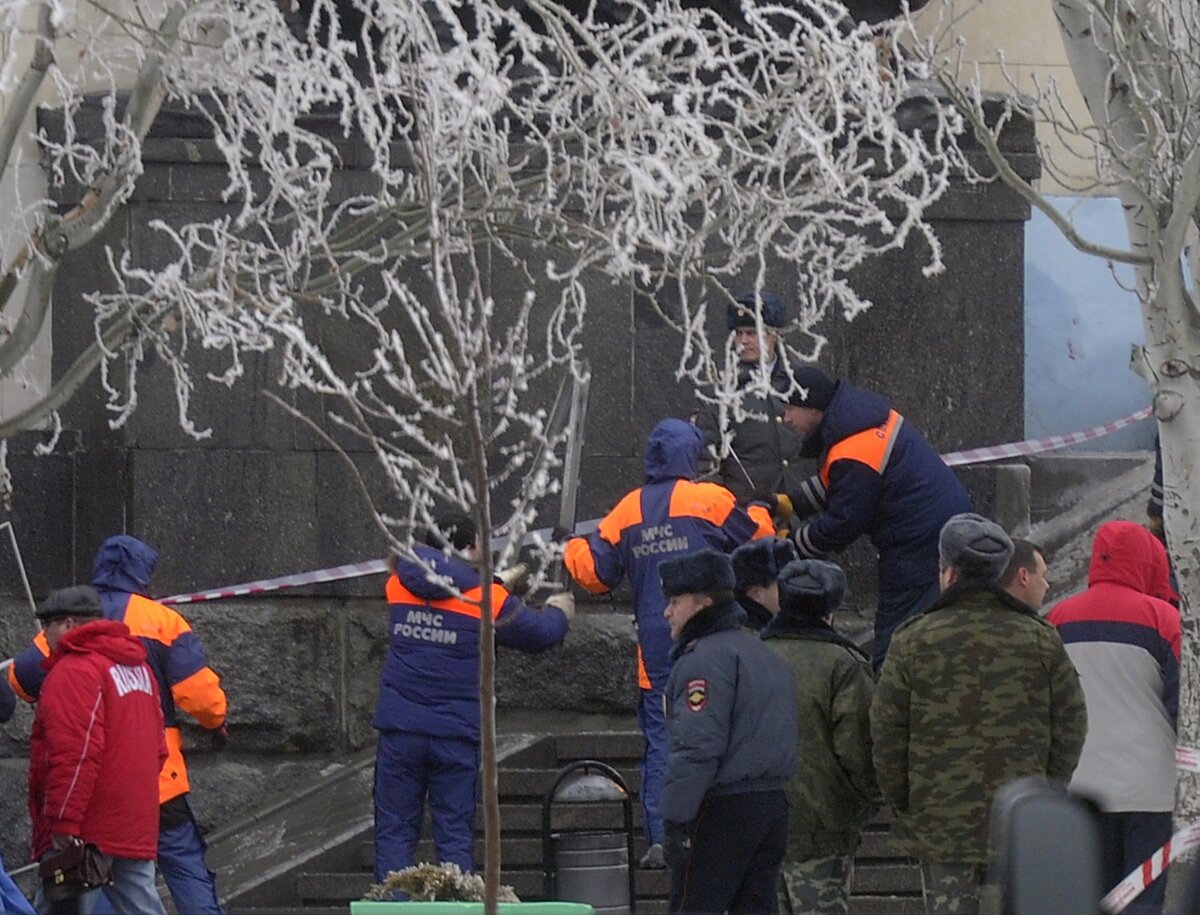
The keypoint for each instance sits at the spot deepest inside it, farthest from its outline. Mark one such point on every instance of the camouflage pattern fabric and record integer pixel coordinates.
(820, 886)
(951, 889)
(975, 692)
(833, 794)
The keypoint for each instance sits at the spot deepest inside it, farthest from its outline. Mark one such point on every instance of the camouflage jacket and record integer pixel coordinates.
(975, 692)
(834, 793)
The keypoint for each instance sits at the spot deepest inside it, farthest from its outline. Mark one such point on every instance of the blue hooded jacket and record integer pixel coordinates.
(430, 679)
(670, 516)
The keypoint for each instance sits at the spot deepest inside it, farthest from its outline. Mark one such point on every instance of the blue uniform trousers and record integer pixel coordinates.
(410, 768)
(738, 844)
(652, 720)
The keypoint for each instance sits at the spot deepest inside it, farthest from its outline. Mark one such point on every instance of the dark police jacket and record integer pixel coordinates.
(731, 714)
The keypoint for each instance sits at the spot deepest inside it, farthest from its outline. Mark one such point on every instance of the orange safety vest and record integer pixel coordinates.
(872, 447)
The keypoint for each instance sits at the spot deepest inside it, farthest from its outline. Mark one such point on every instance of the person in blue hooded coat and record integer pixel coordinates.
(428, 709)
(671, 515)
(878, 476)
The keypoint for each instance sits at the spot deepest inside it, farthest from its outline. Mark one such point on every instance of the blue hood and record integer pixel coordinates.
(124, 563)
(416, 579)
(673, 451)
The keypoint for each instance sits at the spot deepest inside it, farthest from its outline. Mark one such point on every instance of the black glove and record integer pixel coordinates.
(560, 534)
(677, 842)
(220, 737)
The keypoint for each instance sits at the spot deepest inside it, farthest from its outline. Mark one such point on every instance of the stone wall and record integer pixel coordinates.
(264, 497)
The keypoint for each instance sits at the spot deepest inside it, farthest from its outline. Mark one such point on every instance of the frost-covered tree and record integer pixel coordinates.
(667, 147)
(1137, 66)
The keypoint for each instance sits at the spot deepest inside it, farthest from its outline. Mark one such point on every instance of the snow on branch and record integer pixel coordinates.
(417, 191)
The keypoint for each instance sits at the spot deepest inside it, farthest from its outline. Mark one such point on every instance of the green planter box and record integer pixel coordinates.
(469, 908)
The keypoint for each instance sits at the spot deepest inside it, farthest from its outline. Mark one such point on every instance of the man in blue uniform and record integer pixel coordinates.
(428, 710)
(731, 710)
(671, 515)
(878, 477)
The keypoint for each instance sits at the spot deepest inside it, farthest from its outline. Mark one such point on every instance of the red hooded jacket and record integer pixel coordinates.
(97, 744)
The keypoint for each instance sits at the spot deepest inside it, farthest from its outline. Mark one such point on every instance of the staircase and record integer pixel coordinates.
(313, 854)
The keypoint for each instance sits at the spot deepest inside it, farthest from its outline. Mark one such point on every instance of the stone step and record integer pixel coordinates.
(883, 905)
(527, 818)
(612, 748)
(877, 845)
(528, 883)
(290, 910)
(535, 782)
(886, 879)
(514, 852)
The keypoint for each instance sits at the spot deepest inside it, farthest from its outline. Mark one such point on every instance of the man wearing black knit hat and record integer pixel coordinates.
(731, 714)
(878, 476)
(752, 451)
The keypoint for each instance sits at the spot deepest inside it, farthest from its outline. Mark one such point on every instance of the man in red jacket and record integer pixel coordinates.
(94, 757)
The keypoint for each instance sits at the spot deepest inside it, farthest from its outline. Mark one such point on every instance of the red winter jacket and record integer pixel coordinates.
(97, 744)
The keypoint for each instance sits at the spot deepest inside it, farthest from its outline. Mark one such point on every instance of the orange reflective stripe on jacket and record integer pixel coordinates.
(577, 554)
(761, 515)
(711, 502)
(202, 697)
(173, 777)
(398, 594)
(643, 676)
(872, 447)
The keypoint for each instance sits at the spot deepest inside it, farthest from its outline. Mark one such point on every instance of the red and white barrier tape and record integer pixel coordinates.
(341, 573)
(1132, 886)
(1038, 445)
(1187, 759)
(263, 585)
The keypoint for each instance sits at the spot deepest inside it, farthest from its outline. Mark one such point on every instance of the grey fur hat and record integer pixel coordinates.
(696, 573)
(811, 587)
(78, 600)
(975, 547)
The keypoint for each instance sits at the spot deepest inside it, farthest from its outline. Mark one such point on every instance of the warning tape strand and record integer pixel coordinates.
(1119, 897)
(1038, 445)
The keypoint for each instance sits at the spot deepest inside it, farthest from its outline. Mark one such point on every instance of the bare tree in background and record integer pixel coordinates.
(662, 148)
(1137, 65)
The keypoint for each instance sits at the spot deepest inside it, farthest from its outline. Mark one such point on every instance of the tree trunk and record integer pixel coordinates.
(487, 664)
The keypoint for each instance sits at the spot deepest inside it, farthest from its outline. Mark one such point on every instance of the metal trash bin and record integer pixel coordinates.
(591, 866)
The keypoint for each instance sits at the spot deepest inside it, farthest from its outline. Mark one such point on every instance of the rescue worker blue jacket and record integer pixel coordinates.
(731, 714)
(121, 575)
(880, 477)
(671, 515)
(430, 679)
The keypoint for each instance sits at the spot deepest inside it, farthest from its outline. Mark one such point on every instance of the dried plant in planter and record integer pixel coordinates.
(435, 883)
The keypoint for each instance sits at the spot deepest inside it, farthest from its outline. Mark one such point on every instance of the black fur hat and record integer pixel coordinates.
(759, 562)
(696, 573)
(811, 587)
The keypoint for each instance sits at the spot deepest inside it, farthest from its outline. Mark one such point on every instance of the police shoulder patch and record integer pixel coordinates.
(697, 694)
